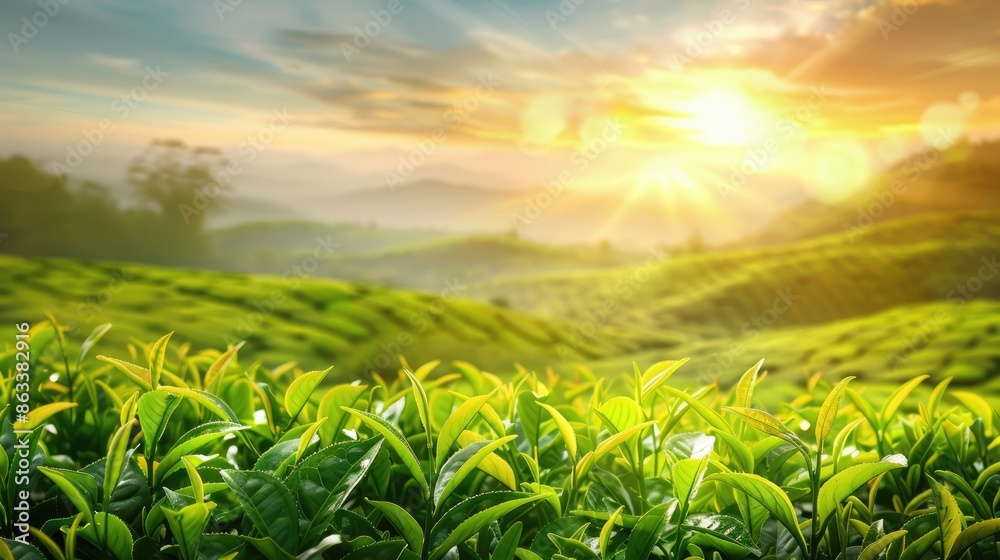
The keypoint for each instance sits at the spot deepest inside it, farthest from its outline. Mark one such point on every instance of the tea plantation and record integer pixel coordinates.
(160, 453)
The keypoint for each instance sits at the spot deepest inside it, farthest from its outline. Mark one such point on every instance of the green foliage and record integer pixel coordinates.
(430, 464)
(85, 220)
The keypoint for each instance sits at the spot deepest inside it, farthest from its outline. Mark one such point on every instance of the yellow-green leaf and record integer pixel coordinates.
(395, 440)
(39, 415)
(565, 430)
(300, 390)
(157, 357)
(769, 495)
(828, 412)
(973, 534)
(951, 520)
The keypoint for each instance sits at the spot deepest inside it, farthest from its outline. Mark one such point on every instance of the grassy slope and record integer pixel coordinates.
(321, 323)
(940, 339)
(418, 259)
(469, 259)
(963, 177)
(291, 237)
(910, 261)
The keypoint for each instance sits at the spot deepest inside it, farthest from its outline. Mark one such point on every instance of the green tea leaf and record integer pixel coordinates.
(846, 482)
(713, 418)
(468, 517)
(461, 464)
(190, 442)
(324, 481)
(95, 336)
(423, 404)
(396, 441)
(507, 547)
(828, 411)
(300, 390)
(973, 534)
(330, 408)
(110, 533)
(188, 526)
(646, 533)
(769, 495)
(217, 371)
(658, 374)
(157, 357)
(687, 477)
(269, 505)
(117, 457)
(721, 531)
(875, 549)
(565, 430)
(897, 398)
(951, 521)
(978, 503)
(404, 523)
(457, 422)
(80, 488)
(746, 385)
(606, 530)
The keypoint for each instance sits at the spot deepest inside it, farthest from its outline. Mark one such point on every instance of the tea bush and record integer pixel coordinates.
(161, 453)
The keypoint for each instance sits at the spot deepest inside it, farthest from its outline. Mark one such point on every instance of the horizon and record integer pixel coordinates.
(772, 102)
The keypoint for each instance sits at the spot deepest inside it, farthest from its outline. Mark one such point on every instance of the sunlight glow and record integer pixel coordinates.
(722, 117)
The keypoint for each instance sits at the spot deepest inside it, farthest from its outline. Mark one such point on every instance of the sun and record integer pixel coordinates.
(722, 117)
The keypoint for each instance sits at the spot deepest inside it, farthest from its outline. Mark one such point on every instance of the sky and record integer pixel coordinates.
(774, 100)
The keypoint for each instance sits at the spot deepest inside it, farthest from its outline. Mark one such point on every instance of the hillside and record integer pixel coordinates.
(940, 339)
(292, 237)
(962, 178)
(412, 259)
(315, 322)
(469, 260)
(914, 260)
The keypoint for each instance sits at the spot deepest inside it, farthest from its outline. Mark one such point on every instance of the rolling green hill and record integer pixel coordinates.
(469, 259)
(291, 237)
(916, 260)
(940, 339)
(314, 322)
(833, 305)
(964, 177)
(418, 259)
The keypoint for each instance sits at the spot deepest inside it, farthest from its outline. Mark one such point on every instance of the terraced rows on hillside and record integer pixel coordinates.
(958, 339)
(316, 323)
(716, 294)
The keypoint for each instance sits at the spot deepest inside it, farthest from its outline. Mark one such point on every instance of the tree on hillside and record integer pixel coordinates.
(49, 215)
